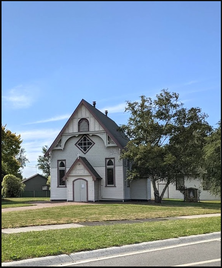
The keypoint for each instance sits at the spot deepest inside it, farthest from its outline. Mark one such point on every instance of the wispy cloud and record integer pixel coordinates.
(33, 141)
(190, 83)
(21, 96)
(39, 134)
(57, 118)
(119, 108)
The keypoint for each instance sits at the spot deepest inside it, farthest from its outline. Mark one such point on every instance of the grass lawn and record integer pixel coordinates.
(104, 212)
(21, 201)
(53, 242)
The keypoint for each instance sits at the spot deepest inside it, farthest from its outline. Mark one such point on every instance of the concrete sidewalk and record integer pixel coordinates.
(65, 260)
(79, 257)
(78, 225)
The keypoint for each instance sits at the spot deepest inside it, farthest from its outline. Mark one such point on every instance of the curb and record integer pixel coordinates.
(74, 258)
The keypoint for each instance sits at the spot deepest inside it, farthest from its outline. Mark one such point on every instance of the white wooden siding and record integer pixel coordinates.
(116, 192)
(171, 192)
(96, 157)
(83, 113)
(140, 189)
(56, 193)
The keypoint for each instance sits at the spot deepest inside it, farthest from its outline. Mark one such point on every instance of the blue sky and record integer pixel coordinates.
(56, 53)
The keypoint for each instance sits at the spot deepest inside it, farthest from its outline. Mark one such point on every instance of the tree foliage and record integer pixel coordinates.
(166, 139)
(12, 186)
(13, 156)
(44, 162)
(212, 161)
(49, 182)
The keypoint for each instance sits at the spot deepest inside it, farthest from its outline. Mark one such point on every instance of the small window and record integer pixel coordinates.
(44, 188)
(61, 172)
(109, 140)
(83, 125)
(179, 182)
(110, 171)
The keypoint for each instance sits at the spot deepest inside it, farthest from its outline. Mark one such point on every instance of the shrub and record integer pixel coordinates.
(12, 186)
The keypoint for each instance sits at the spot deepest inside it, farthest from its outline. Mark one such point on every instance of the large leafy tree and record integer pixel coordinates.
(44, 162)
(212, 161)
(13, 155)
(165, 139)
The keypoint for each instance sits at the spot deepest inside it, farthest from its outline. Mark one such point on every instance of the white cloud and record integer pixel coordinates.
(39, 134)
(33, 141)
(115, 109)
(190, 83)
(21, 96)
(57, 118)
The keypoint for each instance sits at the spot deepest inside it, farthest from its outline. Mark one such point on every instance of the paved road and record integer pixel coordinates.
(187, 253)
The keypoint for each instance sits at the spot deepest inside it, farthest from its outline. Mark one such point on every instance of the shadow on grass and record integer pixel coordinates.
(6, 201)
(201, 204)
(169, 203)
(165, 203)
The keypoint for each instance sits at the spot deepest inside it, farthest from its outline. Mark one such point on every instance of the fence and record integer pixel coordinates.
(45, 193)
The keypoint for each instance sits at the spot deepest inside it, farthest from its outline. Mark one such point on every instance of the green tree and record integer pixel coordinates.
(165, 139)
(49, 182)
(211, 170)
(12, 186)
(44, 163)
(13, 156)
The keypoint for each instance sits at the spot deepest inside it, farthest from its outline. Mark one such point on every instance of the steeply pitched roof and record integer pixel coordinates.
(87, 165)
(108, 124)
(34, 177)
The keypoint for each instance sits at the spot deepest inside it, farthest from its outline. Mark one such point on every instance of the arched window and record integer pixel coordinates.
(109, 162)
(61, 172)
(83, 125)
(110, 172)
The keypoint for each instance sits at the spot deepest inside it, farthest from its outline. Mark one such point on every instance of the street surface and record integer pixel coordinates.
(196, 253)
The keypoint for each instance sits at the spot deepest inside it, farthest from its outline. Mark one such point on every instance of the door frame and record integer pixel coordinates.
(86, 189)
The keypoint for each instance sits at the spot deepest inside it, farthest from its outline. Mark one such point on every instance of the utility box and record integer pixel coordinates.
(191, 194)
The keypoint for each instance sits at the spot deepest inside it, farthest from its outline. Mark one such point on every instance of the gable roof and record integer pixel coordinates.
(39, 175)
(108, 124)
(87, 165)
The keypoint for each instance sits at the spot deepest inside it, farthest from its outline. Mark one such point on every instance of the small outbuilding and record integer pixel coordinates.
(36, 186)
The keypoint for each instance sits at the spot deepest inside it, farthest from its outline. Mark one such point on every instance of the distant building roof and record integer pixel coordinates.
(34, 177)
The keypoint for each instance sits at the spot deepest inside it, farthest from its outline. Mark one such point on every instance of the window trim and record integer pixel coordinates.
(180, 184)
(106, 173)
(79, 125)
(58, 174)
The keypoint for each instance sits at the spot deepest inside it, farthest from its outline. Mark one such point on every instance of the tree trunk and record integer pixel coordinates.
(158, 198)
(164, 189)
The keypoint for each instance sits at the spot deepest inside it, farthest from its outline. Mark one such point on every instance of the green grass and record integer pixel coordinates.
(54, 242)
(105, 212)
(21, 201)
(65, 241)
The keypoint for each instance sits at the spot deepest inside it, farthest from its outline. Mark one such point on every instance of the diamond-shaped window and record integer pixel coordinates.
(84, 144)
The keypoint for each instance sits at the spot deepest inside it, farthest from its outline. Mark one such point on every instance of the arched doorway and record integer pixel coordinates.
(80, 190)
